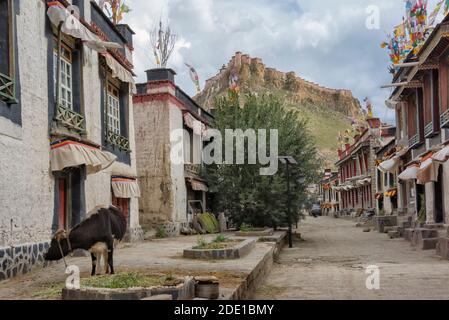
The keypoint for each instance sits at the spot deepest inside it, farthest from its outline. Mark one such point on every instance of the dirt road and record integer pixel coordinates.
(331, 264)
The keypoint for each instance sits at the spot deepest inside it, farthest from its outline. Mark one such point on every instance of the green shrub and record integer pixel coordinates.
(220, 238)
(422, 214)
(161, 233)
(200, 243)
(209, 223)
(246, 227)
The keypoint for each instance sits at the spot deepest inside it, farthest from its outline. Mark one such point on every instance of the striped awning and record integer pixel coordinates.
(198, 185)
(125, 188)
(389, 165)
(119, 72)
(197, 126)
(411, 173)
(442, 155)
(72, 26)
(428, 171)
(68, 153)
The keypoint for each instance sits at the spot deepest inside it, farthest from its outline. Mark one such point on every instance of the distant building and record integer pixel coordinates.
(328, 194)
(421, 101)
(387, 180)
(171, 192)
(66, 126)
(356, 167)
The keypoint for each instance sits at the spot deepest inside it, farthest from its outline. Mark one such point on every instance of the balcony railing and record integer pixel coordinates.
(194, 169)
(429, 130)
(118, 141)
(445, 119)
(414, 141)
(7, 92)
(70, 119)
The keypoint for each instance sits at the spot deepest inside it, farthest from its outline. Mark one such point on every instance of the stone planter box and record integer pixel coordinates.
(183, 291)
(239, 250)
(380, 222)
(256, 233)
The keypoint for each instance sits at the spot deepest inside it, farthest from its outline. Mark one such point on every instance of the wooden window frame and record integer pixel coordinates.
(113, 108)
(7, 79)
(66, 84)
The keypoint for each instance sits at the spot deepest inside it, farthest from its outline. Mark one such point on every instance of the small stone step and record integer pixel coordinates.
(429, 244)
(425, 239)
(394, 235)
(408, 234)
(427, 233)
(434, 226)
(442, 248)
(406, 225)
(401, 231)
(388, 229)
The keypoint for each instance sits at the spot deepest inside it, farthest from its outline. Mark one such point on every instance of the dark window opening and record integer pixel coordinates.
(7, 63)
(69, 198)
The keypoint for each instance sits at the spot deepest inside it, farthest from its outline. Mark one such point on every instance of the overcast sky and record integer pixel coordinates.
(325, 41)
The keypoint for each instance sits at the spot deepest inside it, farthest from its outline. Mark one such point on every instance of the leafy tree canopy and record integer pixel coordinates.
(241, 192)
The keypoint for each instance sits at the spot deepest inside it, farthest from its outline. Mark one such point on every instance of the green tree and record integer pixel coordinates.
(241, 192)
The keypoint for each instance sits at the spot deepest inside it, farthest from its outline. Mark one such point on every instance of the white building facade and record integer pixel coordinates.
(173, 192)
(66, 124)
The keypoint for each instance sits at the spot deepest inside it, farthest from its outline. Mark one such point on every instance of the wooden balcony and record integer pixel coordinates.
(193, 169)
(414, 141)
(118, 141)
(444, 117)
(429, 130)
(7, 89)
(70, 119)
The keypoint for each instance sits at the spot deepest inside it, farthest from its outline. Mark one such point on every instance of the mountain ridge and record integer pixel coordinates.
(329, 110)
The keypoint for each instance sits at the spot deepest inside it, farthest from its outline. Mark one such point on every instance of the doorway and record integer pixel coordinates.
(69, 198)
(123, 205)
(421, 202)
(439, 197)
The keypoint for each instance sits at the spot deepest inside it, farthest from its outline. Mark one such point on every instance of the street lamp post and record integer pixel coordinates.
(289, 161)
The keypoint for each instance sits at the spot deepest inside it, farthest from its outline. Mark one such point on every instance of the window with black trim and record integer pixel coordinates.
(67, 92)
(66, 76)
(115, 103)
(7, 66)
(113, 108)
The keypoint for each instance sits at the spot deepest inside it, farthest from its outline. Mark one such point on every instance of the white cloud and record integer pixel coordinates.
(324, 39)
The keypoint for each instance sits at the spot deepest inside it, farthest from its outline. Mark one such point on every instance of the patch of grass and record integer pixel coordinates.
(220, 238)
(246, 227)
(201, 242)
(220, 242)
(161, 233)
(49, 291)
(129, 280)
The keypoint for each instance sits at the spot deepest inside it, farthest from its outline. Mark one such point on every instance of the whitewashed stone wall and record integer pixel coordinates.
(446, 191)
(26, 185)
(162, 183)
(153, 154)
(26, 182)
(177, 172)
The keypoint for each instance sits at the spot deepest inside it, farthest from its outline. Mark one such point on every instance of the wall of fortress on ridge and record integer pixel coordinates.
(239, 60)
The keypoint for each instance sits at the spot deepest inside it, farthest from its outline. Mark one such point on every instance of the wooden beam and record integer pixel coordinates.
(394, 85)
(406, 65)
(407, 84)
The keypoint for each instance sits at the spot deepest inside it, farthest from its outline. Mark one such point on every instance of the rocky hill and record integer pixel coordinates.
(329, 110)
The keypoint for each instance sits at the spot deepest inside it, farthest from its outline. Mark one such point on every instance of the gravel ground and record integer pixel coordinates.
(331, 264)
